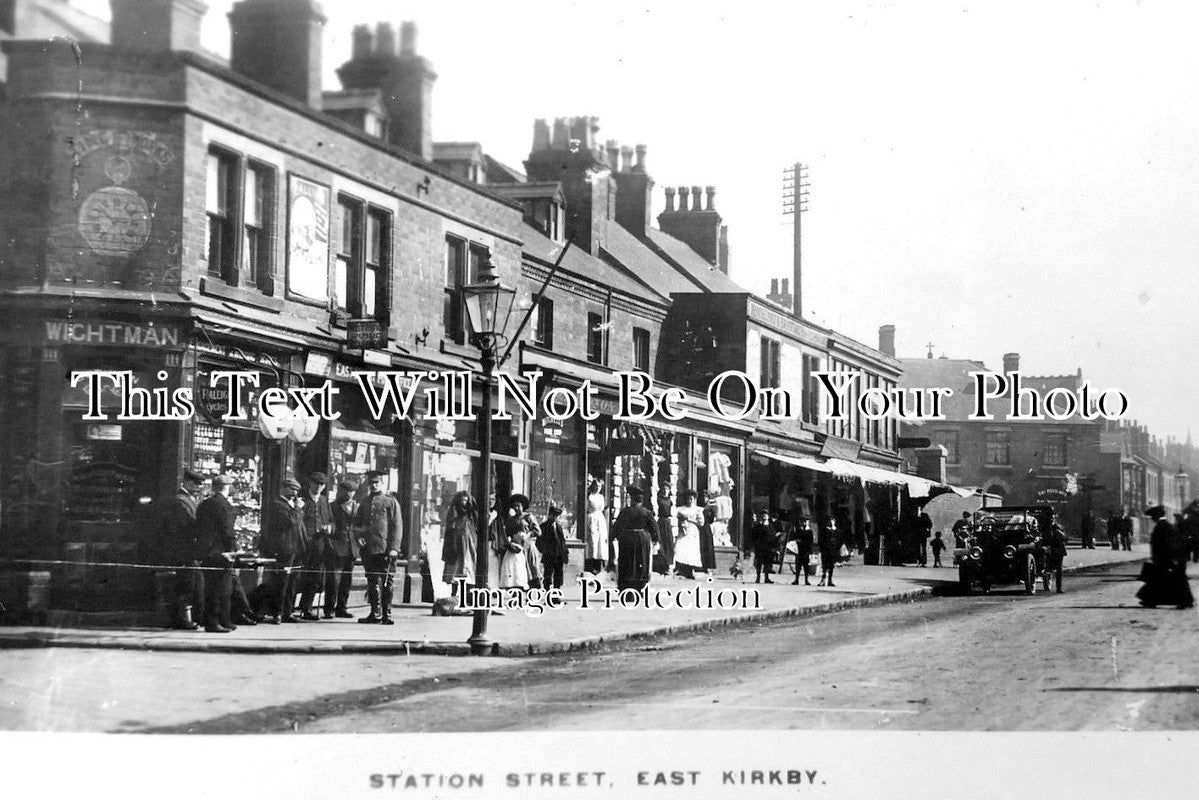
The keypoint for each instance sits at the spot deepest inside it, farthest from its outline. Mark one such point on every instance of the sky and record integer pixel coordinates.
(989, 178)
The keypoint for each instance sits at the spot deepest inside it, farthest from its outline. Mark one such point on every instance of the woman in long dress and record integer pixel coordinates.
(664, 558)
(596, 555)
(519, 535)
(458, 544)
(707, 544)
(687, 557)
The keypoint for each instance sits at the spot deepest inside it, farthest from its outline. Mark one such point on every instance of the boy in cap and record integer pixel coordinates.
(552, 545)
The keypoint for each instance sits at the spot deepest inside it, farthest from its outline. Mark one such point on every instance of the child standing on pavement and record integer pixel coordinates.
(764, 543)
(938, 546)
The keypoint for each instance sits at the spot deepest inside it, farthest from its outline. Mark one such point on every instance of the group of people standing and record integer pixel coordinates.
(1165, 574)
(310, 542)
(769, 542)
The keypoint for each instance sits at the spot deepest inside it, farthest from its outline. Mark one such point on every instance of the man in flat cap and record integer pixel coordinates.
(216, 535)
(344, 547)
(319, 558)
(285, 541)
(179, 549)
(378, 526)
(635, 530)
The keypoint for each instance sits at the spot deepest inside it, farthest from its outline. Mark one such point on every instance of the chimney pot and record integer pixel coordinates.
(626, 158)
(696, 199)
(786, 289)
(385, 39)
(1011, 362)
(640, 165)
(407, 38)
(683, 198)
(561, 140)
(364, 42)
(541, 135)
(669, 198)
(711, 192)
(613, 148)
(774, 286)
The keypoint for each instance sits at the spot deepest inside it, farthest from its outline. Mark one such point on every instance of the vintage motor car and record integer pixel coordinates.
(1005, 546)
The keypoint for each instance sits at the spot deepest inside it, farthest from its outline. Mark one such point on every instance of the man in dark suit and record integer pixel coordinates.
(285, 541)
(319, 559)
(378, 525)
(552, 545)
(344, 548)
(179, 550)
(216, 536)
(635, 531)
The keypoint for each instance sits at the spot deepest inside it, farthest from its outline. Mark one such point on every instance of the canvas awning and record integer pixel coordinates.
(917, 486)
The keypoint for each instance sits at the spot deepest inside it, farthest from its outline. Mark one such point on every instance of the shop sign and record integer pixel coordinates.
(237, 354)
(605, 405)
(840, 448)
(365, 334)
(104, 433)
(318, 364)
(213, 401)
(1051, 496)
(102, 333)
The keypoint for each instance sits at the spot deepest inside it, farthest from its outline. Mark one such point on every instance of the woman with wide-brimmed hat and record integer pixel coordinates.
(520, 532)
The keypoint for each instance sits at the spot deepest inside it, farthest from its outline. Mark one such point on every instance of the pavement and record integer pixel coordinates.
(572, 627)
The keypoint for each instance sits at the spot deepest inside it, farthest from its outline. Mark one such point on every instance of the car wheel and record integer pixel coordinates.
(1030, 576)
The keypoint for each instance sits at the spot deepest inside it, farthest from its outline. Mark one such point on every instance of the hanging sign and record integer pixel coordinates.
(365, 334)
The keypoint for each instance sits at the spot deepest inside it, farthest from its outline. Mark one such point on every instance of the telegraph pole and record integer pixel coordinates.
(795, 203)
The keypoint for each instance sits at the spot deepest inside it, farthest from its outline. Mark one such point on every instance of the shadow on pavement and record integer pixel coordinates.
(1184, 689)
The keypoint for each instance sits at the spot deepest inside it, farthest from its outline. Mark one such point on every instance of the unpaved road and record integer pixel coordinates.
(1089, 659)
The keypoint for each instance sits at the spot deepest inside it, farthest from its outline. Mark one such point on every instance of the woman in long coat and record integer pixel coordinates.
(1167, 579)
(707, 544)
(687, 556)
(595, 557)
(458, 544)
(664, 558)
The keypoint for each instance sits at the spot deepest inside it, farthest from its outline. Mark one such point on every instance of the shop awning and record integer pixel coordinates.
(917, 486)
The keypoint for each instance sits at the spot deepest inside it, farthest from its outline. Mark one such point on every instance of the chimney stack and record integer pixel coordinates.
(579, 160)
(640, 165)
(699, 225)
(156, 25)
(669, 199)
(886, 340)
(405, 81)
(278, 43)
(1011, 362)
(778, 294)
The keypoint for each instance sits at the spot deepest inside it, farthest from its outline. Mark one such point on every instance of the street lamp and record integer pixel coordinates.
(489, 307)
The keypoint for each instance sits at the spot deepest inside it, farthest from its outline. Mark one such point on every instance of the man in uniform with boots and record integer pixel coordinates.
(344, 546)
(378, 526)
(319, 560)
(216, 535)
(285, 541)
(180, 551)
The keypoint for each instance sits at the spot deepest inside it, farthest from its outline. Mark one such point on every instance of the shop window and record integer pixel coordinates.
(8, 14)
(999, 448)
(258, 203)
(1055, 450)
(641, 349)
(219, 191)
(543, 323)
(595, 338)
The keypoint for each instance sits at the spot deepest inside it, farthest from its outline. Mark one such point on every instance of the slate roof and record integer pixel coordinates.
(580, 262)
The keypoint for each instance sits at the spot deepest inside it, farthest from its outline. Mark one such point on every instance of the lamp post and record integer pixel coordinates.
(488, 306)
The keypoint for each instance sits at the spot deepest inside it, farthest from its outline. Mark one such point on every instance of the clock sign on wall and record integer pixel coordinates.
(115, 220)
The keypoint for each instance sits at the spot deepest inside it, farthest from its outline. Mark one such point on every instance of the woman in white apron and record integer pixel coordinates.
(596, 555)
(687, 554)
